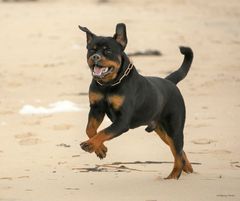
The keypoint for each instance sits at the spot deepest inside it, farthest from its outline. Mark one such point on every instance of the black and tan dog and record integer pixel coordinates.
(131, 100)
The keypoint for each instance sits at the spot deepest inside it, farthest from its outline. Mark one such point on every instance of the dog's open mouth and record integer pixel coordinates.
(100, 71)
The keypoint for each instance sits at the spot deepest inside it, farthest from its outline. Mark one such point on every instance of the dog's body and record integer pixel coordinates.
(131, 100)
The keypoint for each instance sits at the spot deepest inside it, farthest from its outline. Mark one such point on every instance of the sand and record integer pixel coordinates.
(43, 61)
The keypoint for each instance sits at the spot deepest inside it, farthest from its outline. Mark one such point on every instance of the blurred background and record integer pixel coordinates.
(43, 61)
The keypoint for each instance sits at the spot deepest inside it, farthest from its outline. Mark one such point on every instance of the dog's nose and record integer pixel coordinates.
(96, 57)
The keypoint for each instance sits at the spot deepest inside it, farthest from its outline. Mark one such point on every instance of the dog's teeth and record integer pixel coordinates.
(105, 70)
(97, 71)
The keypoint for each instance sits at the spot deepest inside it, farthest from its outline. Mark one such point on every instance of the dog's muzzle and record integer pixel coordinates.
(98, 70)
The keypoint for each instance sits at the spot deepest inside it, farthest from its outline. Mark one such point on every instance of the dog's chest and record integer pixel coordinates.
(112, 101)
(114, 105)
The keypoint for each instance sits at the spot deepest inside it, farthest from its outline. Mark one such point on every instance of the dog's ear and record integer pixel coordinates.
(121, 35)
(90, 35)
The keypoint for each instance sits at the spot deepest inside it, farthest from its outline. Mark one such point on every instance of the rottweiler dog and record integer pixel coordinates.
(131, 100)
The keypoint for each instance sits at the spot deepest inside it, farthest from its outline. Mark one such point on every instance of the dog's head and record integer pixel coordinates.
(104, 54)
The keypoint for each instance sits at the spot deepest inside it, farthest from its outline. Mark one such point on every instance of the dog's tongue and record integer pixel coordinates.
(97, 71)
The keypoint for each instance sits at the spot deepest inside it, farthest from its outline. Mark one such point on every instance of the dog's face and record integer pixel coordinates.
(104, 54)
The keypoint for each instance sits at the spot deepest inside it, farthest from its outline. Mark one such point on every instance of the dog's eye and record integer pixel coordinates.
(92, 50)
(107, 51)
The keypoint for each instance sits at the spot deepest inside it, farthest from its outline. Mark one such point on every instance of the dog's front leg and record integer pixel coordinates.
(95, 118)
(120, 126)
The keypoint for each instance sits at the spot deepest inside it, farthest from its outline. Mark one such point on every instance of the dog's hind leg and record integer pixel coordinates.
(187, 165)
(175, 142)
(178, 159)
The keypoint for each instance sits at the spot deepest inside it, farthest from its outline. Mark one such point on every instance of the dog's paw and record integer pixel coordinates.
(101, 152)
(88, 146)
(175, 174)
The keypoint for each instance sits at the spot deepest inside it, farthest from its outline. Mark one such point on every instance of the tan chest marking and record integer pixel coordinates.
(116, 101)
(95, 97)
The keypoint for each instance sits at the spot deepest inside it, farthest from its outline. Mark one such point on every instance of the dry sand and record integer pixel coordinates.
(42, 61)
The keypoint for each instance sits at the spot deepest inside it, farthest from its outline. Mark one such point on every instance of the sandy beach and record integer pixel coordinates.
(43, 64)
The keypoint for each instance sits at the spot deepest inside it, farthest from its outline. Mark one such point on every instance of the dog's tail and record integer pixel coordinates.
(181, 73)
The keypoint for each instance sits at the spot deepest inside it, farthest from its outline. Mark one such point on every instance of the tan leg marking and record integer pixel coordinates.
(95, 144)
(91, 130)
(178, 162)
(187, 166)
(92, 126)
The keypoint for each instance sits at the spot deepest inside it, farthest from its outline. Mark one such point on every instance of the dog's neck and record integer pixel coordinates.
(123, 71)
(124, 65)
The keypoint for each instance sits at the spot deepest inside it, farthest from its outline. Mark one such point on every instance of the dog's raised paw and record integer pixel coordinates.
(101, 152)
(87, 146)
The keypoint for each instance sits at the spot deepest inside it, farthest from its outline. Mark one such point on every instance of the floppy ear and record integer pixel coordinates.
(121, 36)
(90, 35)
